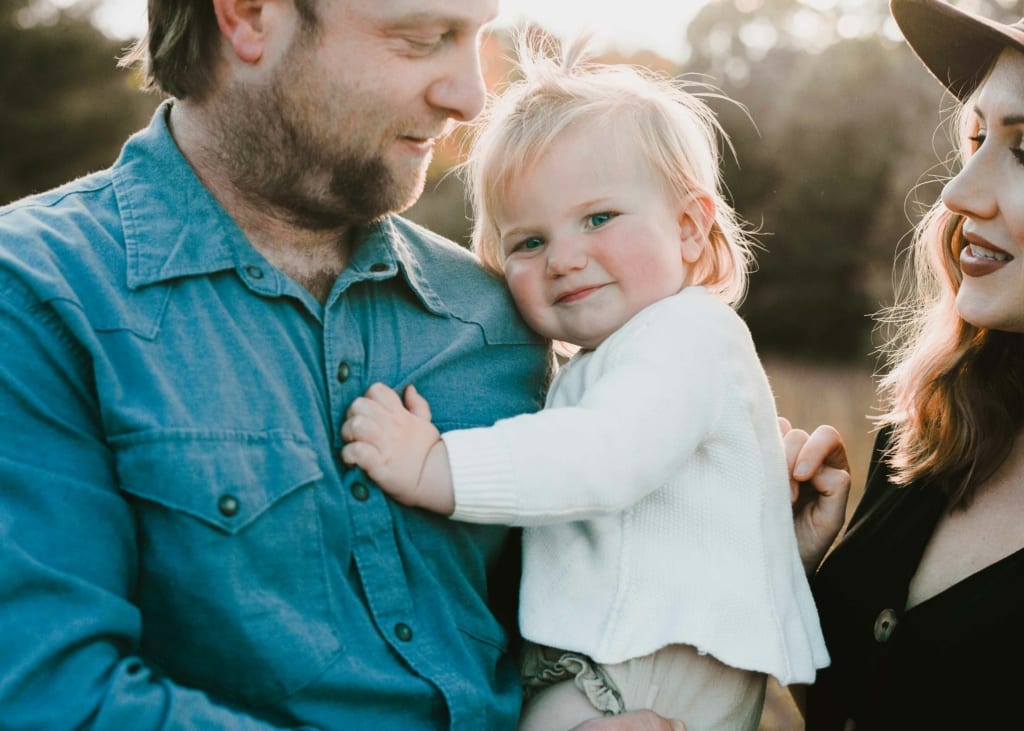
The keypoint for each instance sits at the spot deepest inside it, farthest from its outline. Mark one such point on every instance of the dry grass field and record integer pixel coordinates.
(843, 396)
(809, 395)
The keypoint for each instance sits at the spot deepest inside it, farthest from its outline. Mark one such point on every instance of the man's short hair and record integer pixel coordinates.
(178, 53)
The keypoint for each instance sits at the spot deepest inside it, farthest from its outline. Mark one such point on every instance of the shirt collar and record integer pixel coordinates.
(173, 226)
(394, 245)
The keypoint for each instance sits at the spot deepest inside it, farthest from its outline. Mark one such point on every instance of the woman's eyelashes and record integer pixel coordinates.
(1016, 149)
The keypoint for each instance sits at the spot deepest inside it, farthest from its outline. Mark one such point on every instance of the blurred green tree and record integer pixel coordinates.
(845, 155)
(67, 109)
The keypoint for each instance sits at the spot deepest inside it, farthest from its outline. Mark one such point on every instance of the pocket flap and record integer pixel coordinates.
(224, 478)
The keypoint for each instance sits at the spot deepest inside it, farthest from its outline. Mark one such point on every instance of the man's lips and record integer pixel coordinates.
(421, 145)
(575, 295)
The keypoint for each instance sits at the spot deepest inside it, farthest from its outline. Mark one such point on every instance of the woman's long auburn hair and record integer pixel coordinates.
(954, 395)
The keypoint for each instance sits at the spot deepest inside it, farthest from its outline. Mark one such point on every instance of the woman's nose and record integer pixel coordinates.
(971, 192)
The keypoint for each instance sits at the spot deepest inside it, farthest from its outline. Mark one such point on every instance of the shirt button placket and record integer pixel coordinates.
(885, 625)
(360, 491)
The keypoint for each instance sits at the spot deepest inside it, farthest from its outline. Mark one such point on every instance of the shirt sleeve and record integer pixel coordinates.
(656, 399)
(68, 553)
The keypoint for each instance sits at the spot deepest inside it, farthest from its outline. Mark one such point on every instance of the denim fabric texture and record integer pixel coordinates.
(180, 545)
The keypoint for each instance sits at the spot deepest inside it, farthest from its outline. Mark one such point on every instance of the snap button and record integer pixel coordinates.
(378, 267)
(360, 491)
(254, 271)
(885, 625)
(343, 371)
(403, 631)
(227, 505)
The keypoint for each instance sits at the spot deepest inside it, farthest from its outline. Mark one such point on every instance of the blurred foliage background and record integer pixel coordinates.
(837, 137)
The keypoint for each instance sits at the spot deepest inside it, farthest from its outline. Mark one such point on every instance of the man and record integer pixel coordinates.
(180, 545)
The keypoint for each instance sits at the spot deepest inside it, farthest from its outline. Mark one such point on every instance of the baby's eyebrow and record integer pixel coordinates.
(592, 203)
(514, 233)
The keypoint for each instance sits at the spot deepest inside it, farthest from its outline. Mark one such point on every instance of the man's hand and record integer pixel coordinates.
(632, 721)
(820, 487)
(399, 448)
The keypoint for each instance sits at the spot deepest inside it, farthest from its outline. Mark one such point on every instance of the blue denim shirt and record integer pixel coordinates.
(180, 546)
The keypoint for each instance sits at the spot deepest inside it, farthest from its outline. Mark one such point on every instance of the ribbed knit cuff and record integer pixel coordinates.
(482, 476)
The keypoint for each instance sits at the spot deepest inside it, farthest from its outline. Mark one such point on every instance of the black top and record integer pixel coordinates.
(953, 661)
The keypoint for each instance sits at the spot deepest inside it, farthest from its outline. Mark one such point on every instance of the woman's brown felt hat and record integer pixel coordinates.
(957, 47)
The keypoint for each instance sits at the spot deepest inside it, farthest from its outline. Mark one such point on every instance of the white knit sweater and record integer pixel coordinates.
(656, 495)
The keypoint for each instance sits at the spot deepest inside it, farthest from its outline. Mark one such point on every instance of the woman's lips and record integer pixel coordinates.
(980, 258)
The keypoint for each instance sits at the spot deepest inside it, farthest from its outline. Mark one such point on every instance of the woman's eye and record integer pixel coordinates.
(596, 220)
(978, 139)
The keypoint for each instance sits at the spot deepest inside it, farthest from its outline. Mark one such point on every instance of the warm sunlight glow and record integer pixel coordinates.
(658, 25)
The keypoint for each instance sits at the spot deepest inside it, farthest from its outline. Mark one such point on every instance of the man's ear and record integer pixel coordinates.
(242, 24)
(695, 219)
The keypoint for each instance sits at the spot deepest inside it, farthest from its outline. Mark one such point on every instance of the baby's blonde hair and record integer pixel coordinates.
(676, 131)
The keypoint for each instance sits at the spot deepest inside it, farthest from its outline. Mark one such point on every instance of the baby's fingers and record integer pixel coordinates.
(417, 405)
(361, 427)
(362, 454)
(385, 396)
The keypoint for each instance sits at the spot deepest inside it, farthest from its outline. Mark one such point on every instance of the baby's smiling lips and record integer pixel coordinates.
(577, 294)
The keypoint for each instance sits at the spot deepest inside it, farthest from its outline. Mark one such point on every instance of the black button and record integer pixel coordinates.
(360, 491)
(379, 267)
(885, 625)
(403, 631)
(227, 505)
(343, 371)
(254, 271)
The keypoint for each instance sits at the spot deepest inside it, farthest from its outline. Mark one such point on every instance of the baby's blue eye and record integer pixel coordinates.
(598, 219)
(532, 243)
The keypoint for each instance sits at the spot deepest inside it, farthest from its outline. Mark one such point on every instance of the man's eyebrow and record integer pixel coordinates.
(416, 20)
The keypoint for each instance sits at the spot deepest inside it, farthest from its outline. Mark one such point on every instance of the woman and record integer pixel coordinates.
(922, 601)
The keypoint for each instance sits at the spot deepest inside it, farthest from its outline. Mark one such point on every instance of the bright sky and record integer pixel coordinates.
(627, 24)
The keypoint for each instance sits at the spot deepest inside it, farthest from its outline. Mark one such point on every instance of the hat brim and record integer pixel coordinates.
(957, 47)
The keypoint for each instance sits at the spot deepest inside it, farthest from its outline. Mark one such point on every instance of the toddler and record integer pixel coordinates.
(660, 566)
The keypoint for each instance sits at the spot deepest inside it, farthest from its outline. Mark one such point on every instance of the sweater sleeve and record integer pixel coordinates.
(653, 403)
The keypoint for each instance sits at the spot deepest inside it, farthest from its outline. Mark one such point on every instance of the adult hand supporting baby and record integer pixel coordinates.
(820, 484)
(398, 446)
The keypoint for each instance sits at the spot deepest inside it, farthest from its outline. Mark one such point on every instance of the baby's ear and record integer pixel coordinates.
(695, 220)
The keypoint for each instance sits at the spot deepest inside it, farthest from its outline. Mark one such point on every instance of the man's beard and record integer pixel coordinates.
(270, 143)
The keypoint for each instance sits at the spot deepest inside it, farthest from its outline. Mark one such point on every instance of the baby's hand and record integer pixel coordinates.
(392, 441)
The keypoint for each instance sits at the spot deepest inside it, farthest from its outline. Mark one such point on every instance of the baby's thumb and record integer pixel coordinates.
(416, 404)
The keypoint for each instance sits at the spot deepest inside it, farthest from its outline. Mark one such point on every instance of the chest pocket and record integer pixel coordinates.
(232, 585)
